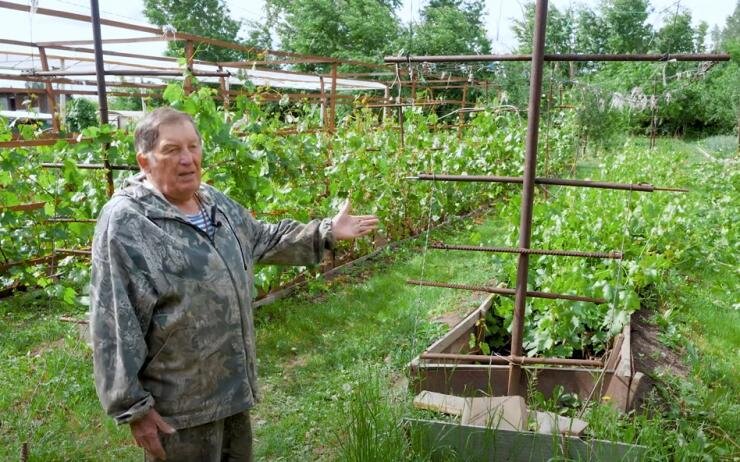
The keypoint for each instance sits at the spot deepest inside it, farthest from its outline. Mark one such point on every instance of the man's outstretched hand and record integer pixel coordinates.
(345, 226)
(146, 433)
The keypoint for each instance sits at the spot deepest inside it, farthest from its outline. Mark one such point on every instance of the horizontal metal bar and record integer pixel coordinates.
(75, 252)
(642, 187)
(511, 359)
(23, 207)
(93, 166)
(560, 57)
(560, 253)
(134, 72)
(41, 142)
(30, 262)
(507, 291)
(71, 220)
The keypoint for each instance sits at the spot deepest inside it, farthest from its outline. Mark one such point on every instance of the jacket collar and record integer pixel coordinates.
(155, 205)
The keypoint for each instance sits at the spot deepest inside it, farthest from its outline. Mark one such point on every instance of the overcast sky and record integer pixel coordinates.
(498, 19)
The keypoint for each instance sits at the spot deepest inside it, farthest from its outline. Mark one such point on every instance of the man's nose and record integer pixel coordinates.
(187, 157)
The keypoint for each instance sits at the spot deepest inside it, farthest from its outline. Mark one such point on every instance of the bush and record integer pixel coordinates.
(81, 113)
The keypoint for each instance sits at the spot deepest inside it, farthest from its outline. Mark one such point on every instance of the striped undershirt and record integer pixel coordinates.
(201, 221)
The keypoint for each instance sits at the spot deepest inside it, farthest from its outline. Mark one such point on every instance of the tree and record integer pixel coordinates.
(700, 37)
(731, 32)
(209, 18)
(345, 29)
(677, 35)
(626, 26)
(80, 114)
(560, 32)
(590, 27)
(449, 27)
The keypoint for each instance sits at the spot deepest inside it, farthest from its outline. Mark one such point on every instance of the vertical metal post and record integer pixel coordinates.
(413, 84)
(188, 84)
(333, 107)
(224, 91)
(525, 219)
(386, 99)
(50, 96)
(461, 114)
(323, 102)
(62, 96)
(102, 94)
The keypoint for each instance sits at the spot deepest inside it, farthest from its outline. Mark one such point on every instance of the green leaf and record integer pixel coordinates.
(49, 209)
(69, 295)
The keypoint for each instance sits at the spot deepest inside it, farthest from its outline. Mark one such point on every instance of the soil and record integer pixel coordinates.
(650, 356)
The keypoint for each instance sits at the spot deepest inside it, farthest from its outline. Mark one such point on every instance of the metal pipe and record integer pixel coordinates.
(71, 220)
(92, 166)
(77, 252)
(560, 253)
(506, 291)
(102, 96)
(131, 72)
(511, 359)
(548, 181)
(530, 164)
(561, 57)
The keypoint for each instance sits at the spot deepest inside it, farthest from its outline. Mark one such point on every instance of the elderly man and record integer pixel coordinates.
(171, 297)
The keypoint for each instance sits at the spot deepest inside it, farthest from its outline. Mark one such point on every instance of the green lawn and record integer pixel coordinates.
(337, 351)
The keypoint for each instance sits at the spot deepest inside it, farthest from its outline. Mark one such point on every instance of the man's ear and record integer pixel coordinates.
(143, 161)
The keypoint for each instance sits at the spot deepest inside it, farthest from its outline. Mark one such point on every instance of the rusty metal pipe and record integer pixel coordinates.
(92, 166)
(525, 216)
(561, 253)
(511, 359)
(506, 291)
(102, 95)
(561, 57)
(131, 72)
(642, 187)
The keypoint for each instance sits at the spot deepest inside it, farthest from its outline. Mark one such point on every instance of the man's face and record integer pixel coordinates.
(173, 166)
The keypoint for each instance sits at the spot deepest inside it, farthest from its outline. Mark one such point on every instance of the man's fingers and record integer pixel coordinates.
(154, 446)
(164, 426)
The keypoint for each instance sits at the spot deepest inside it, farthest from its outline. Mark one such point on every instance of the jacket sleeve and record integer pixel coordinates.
(120, 310)
(287, 242)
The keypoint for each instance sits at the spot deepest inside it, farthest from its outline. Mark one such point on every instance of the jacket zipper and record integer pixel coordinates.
(233, 284)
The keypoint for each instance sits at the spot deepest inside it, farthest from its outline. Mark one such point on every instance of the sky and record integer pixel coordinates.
(498, 19)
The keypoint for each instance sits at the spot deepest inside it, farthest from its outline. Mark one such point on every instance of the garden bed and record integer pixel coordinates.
(448, 366)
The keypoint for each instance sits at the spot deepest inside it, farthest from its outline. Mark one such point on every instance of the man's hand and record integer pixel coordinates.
(346, 226)
(146, 433)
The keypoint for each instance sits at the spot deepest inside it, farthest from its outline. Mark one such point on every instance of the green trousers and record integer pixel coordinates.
(228, 439)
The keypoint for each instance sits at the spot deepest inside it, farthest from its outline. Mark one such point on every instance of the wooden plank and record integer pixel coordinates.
(439, 402)
(462, 329)
(451, 441)
(500, 412)
(550, 423)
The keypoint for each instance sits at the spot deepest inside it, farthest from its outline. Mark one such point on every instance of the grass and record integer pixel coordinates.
(332, 360)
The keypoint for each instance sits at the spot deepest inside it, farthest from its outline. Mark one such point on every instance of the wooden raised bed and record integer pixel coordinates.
(614, 382)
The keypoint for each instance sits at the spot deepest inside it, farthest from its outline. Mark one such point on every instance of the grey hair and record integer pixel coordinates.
(147, 130)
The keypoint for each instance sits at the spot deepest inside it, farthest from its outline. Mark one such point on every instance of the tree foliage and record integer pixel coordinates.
(80, 113)
(448, 27)
(346, 29)
(626, 26)
(209, 18)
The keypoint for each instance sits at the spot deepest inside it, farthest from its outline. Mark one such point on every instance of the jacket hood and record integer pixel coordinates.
(155, 205)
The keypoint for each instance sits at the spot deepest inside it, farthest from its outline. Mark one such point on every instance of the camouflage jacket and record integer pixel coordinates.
(171, 308)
